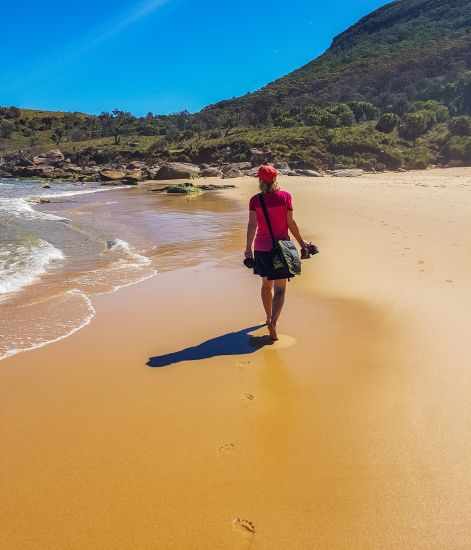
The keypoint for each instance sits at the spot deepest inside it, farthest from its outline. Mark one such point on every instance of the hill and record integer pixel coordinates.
(394, 90)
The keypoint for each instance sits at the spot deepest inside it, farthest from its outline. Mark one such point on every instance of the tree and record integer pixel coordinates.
(120, 124)
(416, 124)
(6, 129)
(364, 111)
(387, 123)
(57, 136)
(460, 126)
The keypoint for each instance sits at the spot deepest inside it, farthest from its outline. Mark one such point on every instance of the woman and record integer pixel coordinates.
(280, 211)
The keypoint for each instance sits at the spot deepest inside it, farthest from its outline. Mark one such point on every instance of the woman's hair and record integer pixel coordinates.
(268, 187)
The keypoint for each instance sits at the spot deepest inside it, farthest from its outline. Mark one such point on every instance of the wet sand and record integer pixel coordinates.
(350, 433)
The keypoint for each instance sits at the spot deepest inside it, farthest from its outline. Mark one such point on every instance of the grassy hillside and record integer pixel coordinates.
(394, 90)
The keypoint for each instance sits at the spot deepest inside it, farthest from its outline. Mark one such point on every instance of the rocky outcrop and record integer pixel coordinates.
(349, 173)
(308, 173)
(133, 177)
(212, 187)
(211, 172)
(259, 156)
(179, 189)
(232, 173)
(188, 188)
(52, 157)
(112, 175)
(177, 170)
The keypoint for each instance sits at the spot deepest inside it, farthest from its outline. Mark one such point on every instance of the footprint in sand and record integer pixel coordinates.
(244, 363)
(244, 526)
(248, 396)
(227, 449)
(450, 281)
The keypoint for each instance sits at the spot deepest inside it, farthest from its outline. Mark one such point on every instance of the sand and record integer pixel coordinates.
(353, 432)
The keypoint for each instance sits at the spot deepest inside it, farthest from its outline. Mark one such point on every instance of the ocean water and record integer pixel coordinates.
(90, 240)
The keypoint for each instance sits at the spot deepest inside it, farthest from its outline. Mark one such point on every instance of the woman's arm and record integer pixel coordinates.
(251, 230)
(293, 227)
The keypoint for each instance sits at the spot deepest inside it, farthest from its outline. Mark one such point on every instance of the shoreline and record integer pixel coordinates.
(332, 437)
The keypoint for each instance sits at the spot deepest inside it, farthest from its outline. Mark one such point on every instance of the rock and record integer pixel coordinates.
(73, 168)
(309, 173)
(349, 173)
(252, 173)
(236, 166)
(182, 189)
(46, 186)
(5, 174)
(211, 172)
(54, 156)
(177, 170)
(133, 177)
(259, 156)
(136, 165)
(44, 200)
(39, 160)
(41, 171)
(211, 187)
(282, 166)
(112, 175)
(232, 173)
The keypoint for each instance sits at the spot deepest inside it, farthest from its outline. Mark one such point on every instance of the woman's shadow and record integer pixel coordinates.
(233, 343)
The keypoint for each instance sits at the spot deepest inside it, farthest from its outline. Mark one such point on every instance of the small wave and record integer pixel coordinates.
(21, 208)
(22, 265)
(118, 245)
(81, 192)
(60, 328)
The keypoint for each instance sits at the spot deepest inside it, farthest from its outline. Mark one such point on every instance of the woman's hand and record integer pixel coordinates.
(248, 253)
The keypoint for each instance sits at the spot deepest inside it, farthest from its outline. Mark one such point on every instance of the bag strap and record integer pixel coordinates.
(267, 217)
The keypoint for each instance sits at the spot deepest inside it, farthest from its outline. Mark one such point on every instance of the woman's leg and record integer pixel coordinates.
(278, 302)
(267, 297)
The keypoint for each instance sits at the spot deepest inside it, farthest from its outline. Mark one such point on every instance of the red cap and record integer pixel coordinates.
(267, 173)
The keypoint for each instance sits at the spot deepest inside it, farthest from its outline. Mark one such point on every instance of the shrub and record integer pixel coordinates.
(364, 111)
(387, 123)
(414, 125)
(460, 126)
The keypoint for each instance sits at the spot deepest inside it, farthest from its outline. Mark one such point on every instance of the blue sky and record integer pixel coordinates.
(158, 55)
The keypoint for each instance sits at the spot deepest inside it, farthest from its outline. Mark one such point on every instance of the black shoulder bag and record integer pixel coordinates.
(285, 255)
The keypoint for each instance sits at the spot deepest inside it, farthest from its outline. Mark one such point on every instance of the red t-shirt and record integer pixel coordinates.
(278, 203)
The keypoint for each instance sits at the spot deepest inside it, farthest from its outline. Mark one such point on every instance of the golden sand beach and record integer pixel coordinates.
(351, 433)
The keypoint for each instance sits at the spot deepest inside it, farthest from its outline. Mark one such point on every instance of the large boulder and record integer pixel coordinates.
(54, 156)
(133, 177)
(309, 173)
(112, 175)
(259, 156)
(348, 173)
(136, 165)
(177, 170)
(179, 189)
(253, 172)
(237, 166)
(5, 173)
(232, 173)
(211, 172)
(40, 171)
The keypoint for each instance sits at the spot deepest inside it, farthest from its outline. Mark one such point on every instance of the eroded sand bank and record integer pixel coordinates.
(351, 433)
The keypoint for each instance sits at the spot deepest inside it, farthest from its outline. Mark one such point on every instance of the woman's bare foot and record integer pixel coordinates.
(272, 331)
(268, 321)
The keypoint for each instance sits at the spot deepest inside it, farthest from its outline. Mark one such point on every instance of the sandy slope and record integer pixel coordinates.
(352, 433)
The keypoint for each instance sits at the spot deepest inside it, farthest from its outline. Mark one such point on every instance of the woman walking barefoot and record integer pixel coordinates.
(280, 210)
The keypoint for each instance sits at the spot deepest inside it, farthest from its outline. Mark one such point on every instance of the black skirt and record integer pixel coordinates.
(264, 267)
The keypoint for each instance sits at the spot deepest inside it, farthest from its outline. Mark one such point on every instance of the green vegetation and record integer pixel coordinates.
(393, 91)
